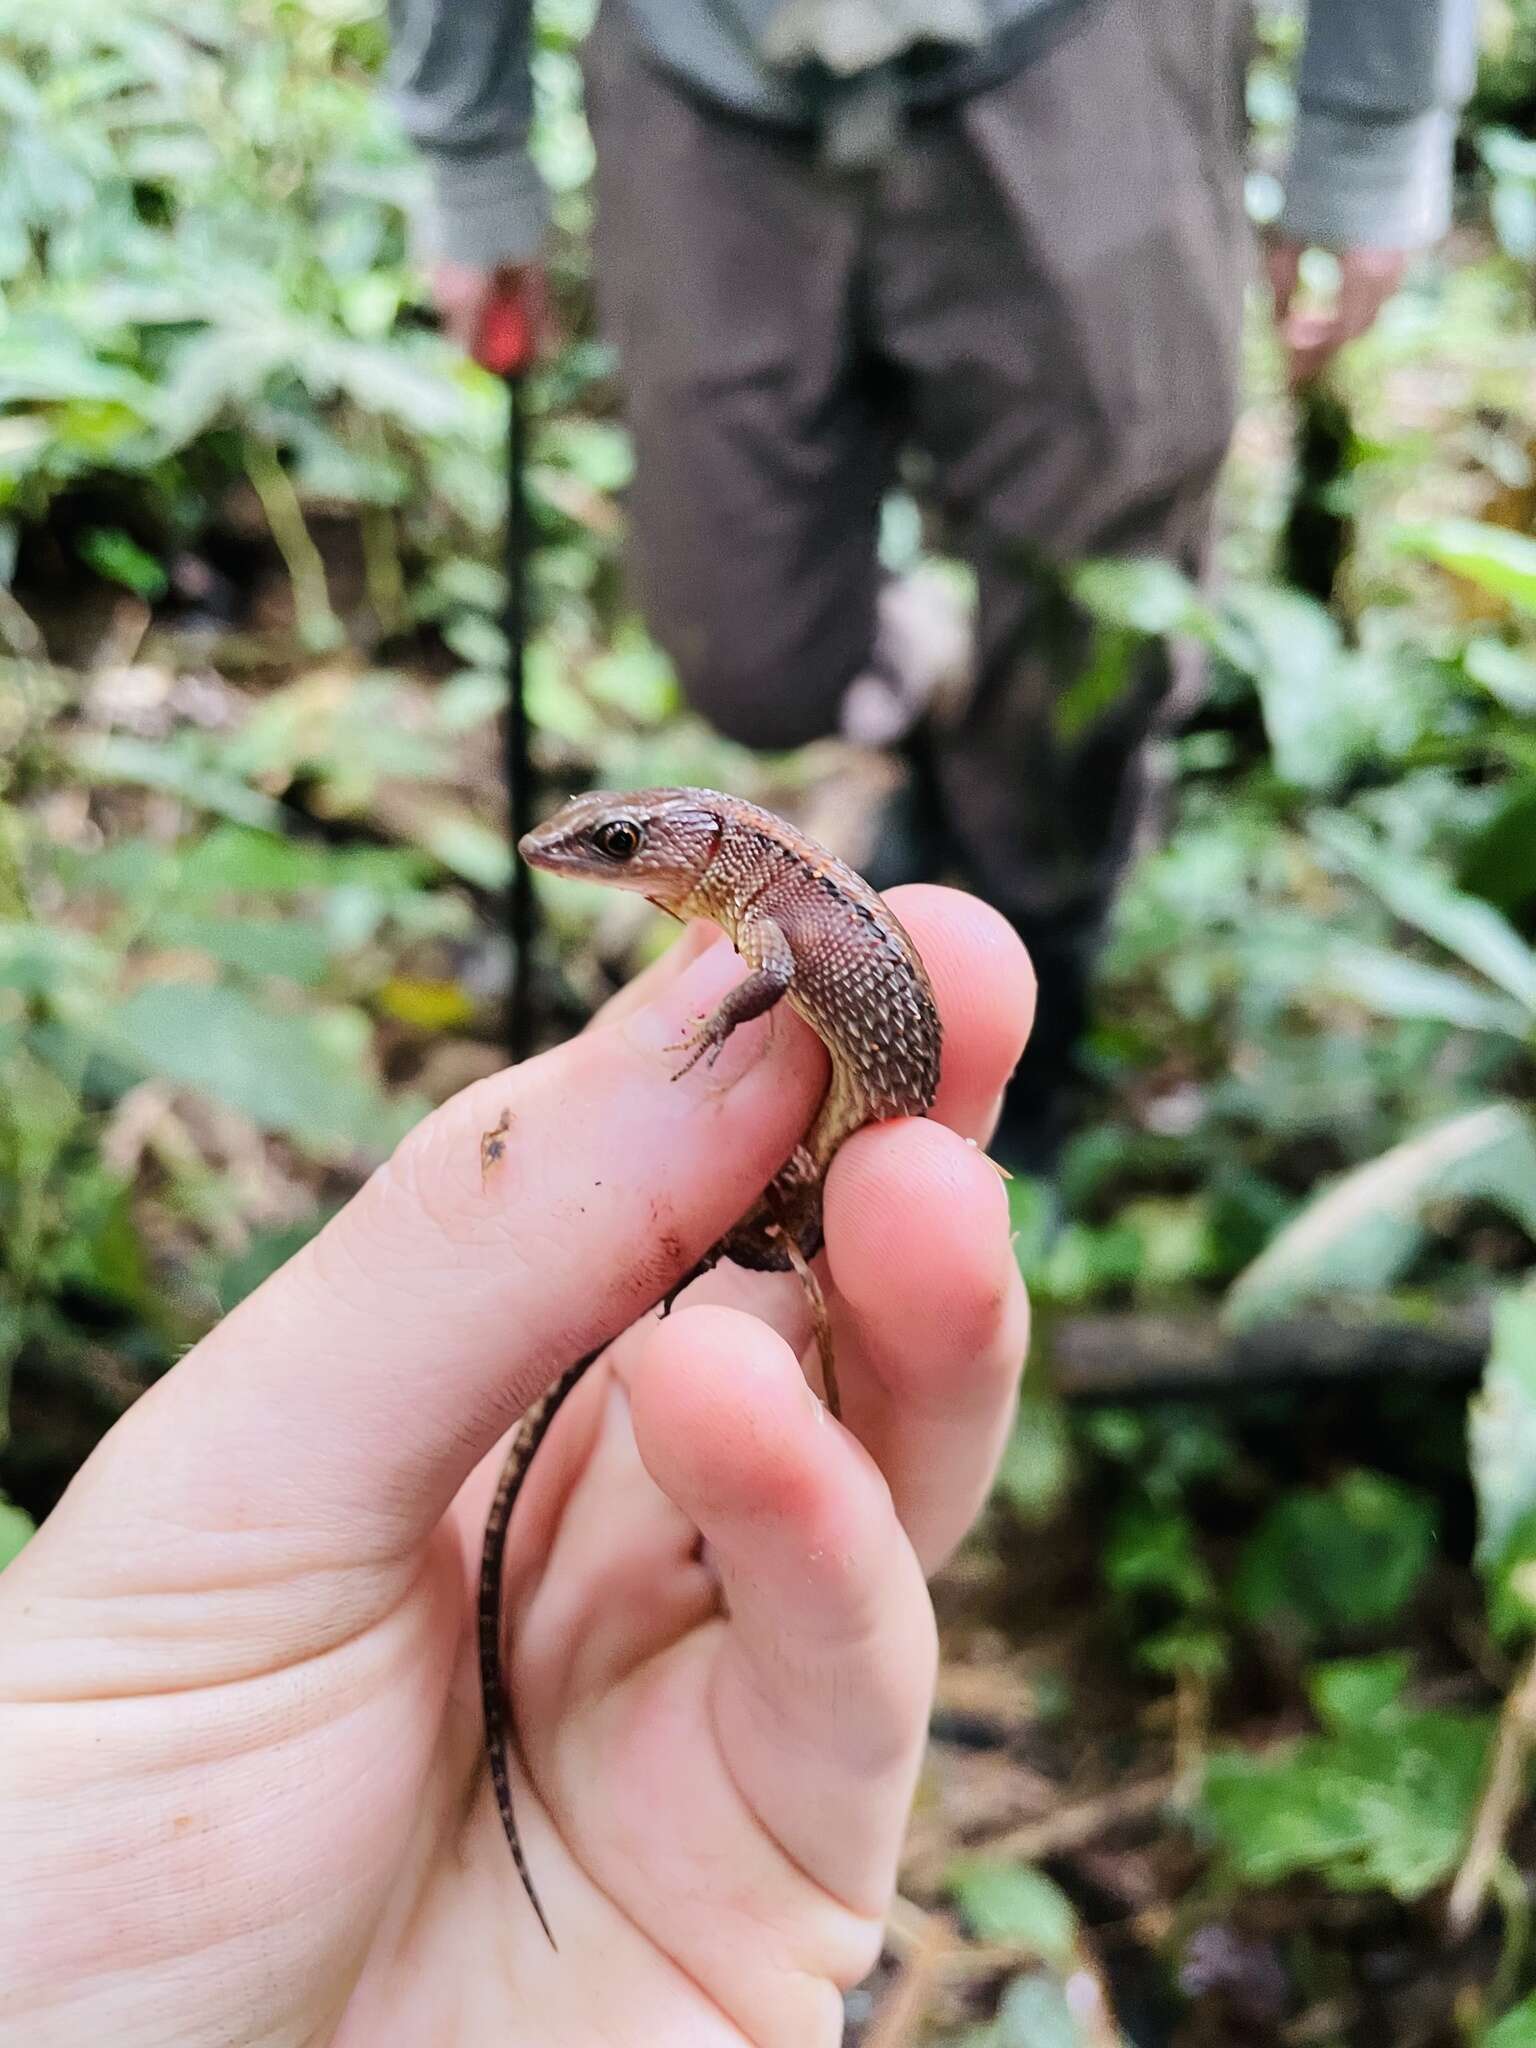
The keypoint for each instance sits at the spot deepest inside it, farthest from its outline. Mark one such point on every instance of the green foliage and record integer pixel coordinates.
(1383, 1802)
(1037, 1465)
(1362, 1233)
(244, 874)
(1037, 2011)
(15, 1528)
(194, 241)
(1502, 1441)
(1516, 2029)
(1164, 1589)
(1014, 1904)
(1466, 927)
(1349, 1692)
(298, 1073)
(1325, 1563)
(1496, 560)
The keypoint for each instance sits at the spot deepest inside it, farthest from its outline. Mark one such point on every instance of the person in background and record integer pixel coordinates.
(1000, 242)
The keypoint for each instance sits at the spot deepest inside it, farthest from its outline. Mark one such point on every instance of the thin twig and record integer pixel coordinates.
(1509, 1889)
(319, 627)
(929, 1951)
(921, 1941)
(1073, 1827)
(1496, 1810)
(382, 573)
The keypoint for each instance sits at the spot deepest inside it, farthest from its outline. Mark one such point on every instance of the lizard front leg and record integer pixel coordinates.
(762, 944)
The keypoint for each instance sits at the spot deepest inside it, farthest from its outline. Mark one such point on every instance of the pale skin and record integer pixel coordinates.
(241, 1791)
(1311, 336)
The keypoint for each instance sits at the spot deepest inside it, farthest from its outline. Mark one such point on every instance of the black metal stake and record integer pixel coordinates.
(516, 762)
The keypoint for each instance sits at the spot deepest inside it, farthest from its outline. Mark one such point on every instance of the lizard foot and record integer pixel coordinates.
(704, 1042)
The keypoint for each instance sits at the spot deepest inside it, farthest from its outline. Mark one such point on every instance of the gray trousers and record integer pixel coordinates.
(1038, 298)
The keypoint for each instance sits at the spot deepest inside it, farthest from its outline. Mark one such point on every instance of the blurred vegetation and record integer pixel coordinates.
(250, 849)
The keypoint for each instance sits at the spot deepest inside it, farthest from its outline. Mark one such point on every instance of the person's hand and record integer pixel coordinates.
(242, 1793)
(495, 313)
(1313, 336)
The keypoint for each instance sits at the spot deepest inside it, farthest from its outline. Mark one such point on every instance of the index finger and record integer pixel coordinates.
(355, 1390)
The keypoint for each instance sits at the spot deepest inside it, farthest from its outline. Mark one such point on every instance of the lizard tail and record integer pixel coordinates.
(494, 1696)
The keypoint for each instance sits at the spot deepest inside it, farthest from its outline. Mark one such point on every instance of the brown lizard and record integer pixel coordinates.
(815, 936)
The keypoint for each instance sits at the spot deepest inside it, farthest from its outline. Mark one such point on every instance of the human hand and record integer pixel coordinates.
(1313, 336)
(500, 316)
(241, 1784)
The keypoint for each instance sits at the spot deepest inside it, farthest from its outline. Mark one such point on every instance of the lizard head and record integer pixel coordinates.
(657, 842)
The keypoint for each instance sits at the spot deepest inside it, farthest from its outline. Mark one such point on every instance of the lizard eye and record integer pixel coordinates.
(619, 839)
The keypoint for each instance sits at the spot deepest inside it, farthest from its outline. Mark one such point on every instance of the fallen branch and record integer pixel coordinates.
(1134, 1356)
(920, 1941)
(1496, 1812)
(1075, 1826)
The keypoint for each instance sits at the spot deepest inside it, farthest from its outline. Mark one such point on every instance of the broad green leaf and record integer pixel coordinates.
(118, 557)
(1151, 1550)
(1035, 2012)
(1187, 1649)
(1384, 1806)
(1306, 686)
(39, 1115)
(1112, 668)
(1324, 1562)
(406, 379)
(1011, 1902)
(466, 846)
(1465, 925)
(100, 1251)
(286, 950)
(636, 679)
(1501, 1432)
(118, 757)
(1362, 1232)
(1351, 1692)
(245, 1271)
(299, 1073)
(133, 868)
(555, 704)
(234, 861)
(16, 1527)
(47, 960)
(1497, 560)
(1148, 596)
(1130, 602)
(1507, 673)
(1517, 2028)
(1036, 1467)
(1499, 865)
(351, 731)
(1396, 985)
(596, 451)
